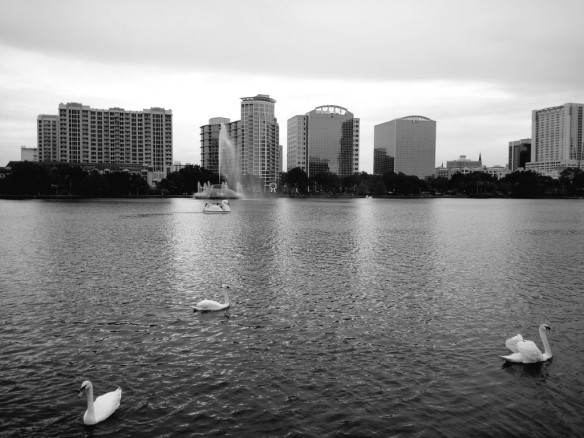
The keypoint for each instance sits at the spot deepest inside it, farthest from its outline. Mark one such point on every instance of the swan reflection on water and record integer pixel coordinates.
(532, 370)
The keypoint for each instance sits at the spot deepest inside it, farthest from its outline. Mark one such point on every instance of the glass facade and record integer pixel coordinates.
(519, 154)
(324, 140)
(382, 162)
(410, 142)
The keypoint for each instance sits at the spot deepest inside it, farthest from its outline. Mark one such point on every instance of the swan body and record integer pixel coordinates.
(526, 351)
(102, 407)
(213, 306)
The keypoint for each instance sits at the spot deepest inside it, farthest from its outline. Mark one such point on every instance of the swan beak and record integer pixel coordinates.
(81, 392)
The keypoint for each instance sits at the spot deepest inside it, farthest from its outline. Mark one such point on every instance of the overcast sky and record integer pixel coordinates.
(476, 67)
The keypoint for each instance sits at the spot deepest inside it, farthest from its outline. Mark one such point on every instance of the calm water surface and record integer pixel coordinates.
(361, 317)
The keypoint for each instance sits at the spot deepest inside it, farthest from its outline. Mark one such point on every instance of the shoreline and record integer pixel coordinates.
(272, 195)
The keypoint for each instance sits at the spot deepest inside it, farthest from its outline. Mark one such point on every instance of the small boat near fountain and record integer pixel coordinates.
(217, 207)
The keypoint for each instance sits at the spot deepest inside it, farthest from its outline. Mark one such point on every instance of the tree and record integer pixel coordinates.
(529, 184)
(572, 181)
(296, 178)
(186, 180)
(28, 179)
(326, 182)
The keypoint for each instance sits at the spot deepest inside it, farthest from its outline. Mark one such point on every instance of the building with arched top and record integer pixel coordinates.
(325, 139)
(407, 144)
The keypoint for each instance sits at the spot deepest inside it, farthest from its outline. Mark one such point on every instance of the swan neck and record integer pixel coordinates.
(546, 345)
(90, 411)
(226, 296)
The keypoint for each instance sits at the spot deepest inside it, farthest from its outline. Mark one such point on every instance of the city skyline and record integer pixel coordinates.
(478, 70)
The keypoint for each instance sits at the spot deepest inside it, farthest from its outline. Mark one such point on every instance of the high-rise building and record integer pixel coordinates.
(47, 137)
(210, 143)
(556, 138)
(256, 141)
(325, 139)
(89, 136)
(258, 138)
(296, 153)
(410, 142)
(519, 154)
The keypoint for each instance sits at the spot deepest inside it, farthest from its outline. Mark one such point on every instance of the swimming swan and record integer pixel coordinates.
(211, 306)
(102, 407)
(527, 351)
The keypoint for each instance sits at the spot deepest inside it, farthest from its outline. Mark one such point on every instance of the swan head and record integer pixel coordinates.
(84, 386)
(225, 286)
(544, 327)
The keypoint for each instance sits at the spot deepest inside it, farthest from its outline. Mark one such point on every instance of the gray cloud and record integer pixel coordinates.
(511, 42)
(478, 68)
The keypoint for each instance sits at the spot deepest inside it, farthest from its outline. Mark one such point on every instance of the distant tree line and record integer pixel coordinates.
(523, 184)
(41, 179)
(29, 179)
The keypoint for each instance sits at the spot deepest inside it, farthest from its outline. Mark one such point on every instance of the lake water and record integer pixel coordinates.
(361, 317)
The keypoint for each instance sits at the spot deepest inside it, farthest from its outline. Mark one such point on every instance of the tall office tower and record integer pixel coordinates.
(297, 151)
(325, 139)
(116, 136)
(210, 143)
(47, 137)
(257, 139)
(556, 138)
(519, 154)
(410, 142)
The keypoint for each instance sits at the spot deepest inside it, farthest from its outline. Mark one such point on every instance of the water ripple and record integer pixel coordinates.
(349, 317)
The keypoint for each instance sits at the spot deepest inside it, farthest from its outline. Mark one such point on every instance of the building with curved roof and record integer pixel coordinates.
(406, 145)
(325, 139)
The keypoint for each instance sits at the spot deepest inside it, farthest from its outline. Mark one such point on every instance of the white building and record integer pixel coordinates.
(29, 154)
(85, 135)
(258, 140)
(556, 138)
(497, 172)
(47, 137)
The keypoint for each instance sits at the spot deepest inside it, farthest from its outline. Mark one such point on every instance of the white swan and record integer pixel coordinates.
(527, 351)
(211, 306)
(102, 407)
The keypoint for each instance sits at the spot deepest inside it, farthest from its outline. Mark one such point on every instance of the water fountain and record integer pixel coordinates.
(228, 169)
